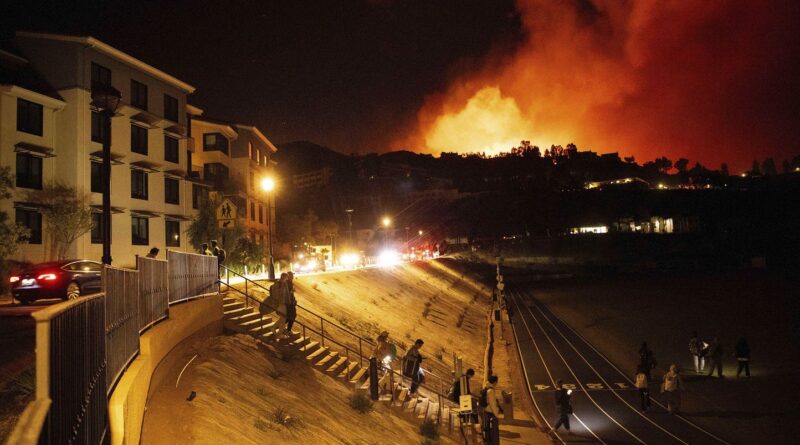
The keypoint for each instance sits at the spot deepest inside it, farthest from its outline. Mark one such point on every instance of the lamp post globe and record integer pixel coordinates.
(105, 99)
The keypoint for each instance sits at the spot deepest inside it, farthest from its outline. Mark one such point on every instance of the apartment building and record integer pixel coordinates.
(230, 160)
(52, 132)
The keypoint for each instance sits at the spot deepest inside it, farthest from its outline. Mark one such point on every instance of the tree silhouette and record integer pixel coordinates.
(723, 169)
(756, 170)
(769, 167)
(681, 165)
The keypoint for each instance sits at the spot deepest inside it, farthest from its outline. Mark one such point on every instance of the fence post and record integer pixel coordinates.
(360, 353)
(322, 330)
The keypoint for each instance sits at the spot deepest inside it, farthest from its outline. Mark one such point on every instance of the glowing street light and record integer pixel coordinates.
(268, 186)
(420, 232)
(386, 221)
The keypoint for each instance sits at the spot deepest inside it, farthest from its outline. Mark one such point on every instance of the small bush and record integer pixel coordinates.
(429, 429)
(276, 374)
(280, 416)
(361, 403)
(262, 425)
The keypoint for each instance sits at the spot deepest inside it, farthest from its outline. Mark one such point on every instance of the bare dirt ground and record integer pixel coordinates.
(246, 396)
(617, 313)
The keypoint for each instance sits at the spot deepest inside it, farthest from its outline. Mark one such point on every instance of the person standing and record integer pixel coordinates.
(277, 302)
(491, 409)
(672, 387)
(697, 348)
(563, 406)
(218, 252)
(291, 303)
(204, 249)
(383, 357)
(153, 253)
(743, 357)
(646, 359)
(715, 356)
(412, 365)
(641, 382)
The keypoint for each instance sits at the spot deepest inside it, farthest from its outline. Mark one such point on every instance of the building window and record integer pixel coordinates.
(215, 142)
(139, 184)
(138, 95)
(97, 177)
(199, 195)
(33, 221)
(98, 129)
(171, 191)
(29, 171)
(97, 228)
(260, 214)
(215, 172)
(170, 149)
(173, 231)
(170, 108)
(250, 150)
(140, 231)
(252, 211)
(138, 139)
(29, 117)
(100, 75)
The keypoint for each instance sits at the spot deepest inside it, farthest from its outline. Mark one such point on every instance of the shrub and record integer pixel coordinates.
(280, 416)
(361, 403)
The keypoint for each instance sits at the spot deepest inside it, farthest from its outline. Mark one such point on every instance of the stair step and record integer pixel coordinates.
(255, 322)
(401, 398)
(337, 366)
(421, 408)
(317, 355)
(231, 306)
(310, 347)
(299, 342)
(348, 370)
(234, 312)
(359, 375)
(411, 405)
(242, 317)
(226, 300)
(433, 412)
(325, 361)
(259, 329)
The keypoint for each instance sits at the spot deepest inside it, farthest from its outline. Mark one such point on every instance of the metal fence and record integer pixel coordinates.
(191, 275)
(72, 338)
(153, 291)
(122, 319)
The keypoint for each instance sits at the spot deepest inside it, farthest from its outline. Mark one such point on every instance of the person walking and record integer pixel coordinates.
(384, 357)
(491, 409)
(204, 249)
(218, 252)
(641, 382)
(291, 303)
(563, 406)
(698, 349)
(646, 359)
(276, 302)
(715, 357)
(412, 365)
(153, 253)
(743, 357)
(455, 392)
(672, 387)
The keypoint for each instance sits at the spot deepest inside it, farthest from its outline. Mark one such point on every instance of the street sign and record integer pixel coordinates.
(226, 214)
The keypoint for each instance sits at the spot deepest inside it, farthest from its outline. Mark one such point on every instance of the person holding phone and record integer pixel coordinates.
(563, 406)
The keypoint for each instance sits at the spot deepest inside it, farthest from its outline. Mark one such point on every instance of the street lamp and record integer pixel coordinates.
(268, 185)
(386, 223)
(105, 99)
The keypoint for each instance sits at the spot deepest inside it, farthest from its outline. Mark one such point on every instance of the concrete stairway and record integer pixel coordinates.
(247, 320)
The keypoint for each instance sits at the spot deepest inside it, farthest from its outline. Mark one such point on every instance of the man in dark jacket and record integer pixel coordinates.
(291, 303)
(412, 365)
(715, 357)
(563, 406)
(743, 357)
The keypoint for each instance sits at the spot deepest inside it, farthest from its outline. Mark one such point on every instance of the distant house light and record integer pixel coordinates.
(589, 229)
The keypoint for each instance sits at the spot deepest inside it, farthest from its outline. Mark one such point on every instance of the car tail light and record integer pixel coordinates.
(13, 279)
(47, 277)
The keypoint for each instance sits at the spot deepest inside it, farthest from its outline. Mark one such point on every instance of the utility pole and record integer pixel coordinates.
(350, 226)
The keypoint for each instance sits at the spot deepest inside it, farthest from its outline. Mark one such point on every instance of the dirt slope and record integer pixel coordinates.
(240, 392)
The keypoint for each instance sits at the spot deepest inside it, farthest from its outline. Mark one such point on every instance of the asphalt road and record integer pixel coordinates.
(606, 405)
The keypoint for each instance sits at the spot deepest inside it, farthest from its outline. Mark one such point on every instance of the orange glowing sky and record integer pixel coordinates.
(712, 81)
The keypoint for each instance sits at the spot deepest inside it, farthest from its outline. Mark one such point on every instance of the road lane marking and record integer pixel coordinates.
(585, 360)
(626, 377)
(549, 339)
(547, 369)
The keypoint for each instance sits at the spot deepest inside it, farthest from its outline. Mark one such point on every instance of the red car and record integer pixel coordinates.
(66, 279)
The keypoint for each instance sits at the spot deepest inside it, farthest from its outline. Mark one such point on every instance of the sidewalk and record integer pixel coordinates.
(524, 428)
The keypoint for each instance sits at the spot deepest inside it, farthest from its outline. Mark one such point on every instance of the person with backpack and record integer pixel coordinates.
(384, 354)
(715, 357)
(276, 302)
(412, 366)
(640, 381)
(218, 252)
(563, 406)
(491, 409)
(671, 388)
(743, 357)
(646, 360)
(291, 303)
(698, 349)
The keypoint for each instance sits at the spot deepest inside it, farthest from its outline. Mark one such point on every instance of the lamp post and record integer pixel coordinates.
(386, 223)
(268, 185)
(105, 99)
(407, 251)
(350, 227)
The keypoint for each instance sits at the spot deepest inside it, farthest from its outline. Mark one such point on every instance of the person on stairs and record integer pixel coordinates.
(384, 357)
(412, 365)
(491, 411)
(276, 302)
(291, 304)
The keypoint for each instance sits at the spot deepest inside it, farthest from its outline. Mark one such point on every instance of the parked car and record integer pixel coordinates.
(66, 279)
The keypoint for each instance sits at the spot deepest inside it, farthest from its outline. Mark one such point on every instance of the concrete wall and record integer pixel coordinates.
(127, 404)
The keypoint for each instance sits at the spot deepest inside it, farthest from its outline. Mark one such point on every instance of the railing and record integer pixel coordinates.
(191, 275)
(121, 321)
(323, 333)
(153, 291)
(68, 334)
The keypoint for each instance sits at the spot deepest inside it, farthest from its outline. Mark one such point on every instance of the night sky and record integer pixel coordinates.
(712, 81)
